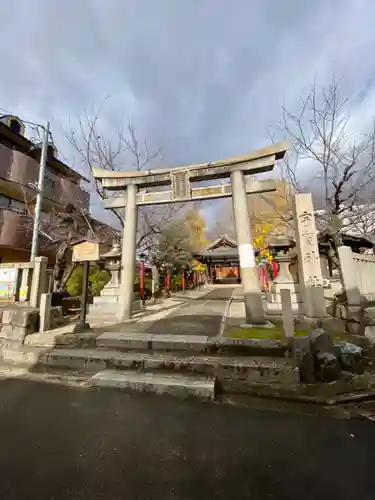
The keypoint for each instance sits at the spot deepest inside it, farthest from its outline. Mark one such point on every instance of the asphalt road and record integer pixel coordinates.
(198, 317)
(69, 443)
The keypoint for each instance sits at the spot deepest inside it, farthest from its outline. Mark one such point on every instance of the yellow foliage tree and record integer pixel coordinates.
(196, 225)
(270, 214)
(259, 241)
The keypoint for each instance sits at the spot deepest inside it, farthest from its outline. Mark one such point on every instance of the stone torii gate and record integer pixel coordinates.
(184, 186)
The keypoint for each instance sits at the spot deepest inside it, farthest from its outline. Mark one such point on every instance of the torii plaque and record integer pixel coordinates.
(141, 188)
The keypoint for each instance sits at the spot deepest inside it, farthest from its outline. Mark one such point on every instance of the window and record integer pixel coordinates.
(49, 183)
(4, 201)
(15, 126)
(11, 204)
(17, 206)
(49, 180)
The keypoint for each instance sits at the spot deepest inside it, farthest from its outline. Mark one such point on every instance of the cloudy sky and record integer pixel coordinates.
(201, 79)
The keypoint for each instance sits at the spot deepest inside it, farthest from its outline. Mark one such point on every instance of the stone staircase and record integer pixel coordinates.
(180, 365)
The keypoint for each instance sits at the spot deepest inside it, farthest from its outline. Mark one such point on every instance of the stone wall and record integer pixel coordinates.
(18, 321)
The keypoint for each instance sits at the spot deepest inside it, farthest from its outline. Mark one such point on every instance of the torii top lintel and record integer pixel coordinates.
(256, 162)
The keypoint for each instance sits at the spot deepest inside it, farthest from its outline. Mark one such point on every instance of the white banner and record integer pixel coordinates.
(7, 275)
(246, 253)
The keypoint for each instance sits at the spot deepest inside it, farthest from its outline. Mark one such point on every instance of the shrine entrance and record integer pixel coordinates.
(221, 261)
(142, 188)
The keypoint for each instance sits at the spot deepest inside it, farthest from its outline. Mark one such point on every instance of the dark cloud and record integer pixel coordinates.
(202, 80)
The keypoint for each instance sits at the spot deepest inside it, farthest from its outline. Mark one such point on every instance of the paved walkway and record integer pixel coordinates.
(194, 312)
(202, 316)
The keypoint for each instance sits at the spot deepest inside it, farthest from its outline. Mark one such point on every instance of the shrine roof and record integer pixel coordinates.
(220, 253)
(222, 242)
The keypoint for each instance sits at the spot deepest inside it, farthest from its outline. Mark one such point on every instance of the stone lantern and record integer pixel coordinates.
(280, 247)
(111, 291)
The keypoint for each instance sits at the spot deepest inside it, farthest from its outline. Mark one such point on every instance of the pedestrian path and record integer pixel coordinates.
(200, 316)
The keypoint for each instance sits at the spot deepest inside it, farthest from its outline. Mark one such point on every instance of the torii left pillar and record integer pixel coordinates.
(254, 310)
(128, 255)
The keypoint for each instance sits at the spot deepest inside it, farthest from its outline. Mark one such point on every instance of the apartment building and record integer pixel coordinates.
(19, 172)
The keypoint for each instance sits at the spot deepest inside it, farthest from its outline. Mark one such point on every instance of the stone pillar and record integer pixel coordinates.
(128, 254)
(310, 273)
(250, 281)
(283, 275)
(38, 280)
(45, 312)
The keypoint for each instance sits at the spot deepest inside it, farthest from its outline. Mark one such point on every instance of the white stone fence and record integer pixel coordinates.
(358, 275)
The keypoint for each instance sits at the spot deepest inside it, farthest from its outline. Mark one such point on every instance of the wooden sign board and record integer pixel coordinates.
(86, 251)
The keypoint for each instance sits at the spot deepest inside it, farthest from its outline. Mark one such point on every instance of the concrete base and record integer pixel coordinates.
(275, 308)
(80, 328)
(275, 298)
(110, 309)
(293, 286)
(267, 324)
(106, 299)
(174, 385)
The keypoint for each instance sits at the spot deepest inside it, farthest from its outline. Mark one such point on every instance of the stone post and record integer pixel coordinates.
(250, 282)
(45, 312)
(287, 312)
(310, 273)
(128, 254)
(38, 280)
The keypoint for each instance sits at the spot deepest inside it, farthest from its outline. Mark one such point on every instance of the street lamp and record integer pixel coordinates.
(39, 198)
(142, 258)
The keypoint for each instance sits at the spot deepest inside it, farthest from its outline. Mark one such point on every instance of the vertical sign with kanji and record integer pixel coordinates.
(310, 273)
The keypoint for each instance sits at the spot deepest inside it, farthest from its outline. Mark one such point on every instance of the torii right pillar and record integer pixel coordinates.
(254, 310)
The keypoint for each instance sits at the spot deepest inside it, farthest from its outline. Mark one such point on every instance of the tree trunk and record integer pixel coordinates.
(334, 242)
(58, 274)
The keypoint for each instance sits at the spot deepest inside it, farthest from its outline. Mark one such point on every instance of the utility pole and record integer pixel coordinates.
(39, 198)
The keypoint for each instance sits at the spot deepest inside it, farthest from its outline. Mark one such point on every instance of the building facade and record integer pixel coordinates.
(19, 172)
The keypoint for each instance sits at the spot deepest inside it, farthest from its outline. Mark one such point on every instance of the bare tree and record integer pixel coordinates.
(60, 227)
(174, 246)
(330, 160)
(123, 150)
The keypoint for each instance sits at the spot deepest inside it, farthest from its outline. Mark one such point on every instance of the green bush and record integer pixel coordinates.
(176, 283)
(98, 278)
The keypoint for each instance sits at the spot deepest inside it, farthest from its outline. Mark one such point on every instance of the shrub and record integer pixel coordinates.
(98, 278)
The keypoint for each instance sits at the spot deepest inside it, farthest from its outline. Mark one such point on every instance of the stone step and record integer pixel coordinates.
(155, 342)
(158, 383)
(190, 343)
(247, 369)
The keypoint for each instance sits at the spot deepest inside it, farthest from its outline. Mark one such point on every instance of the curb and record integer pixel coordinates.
(225, 316)
(269, 392)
